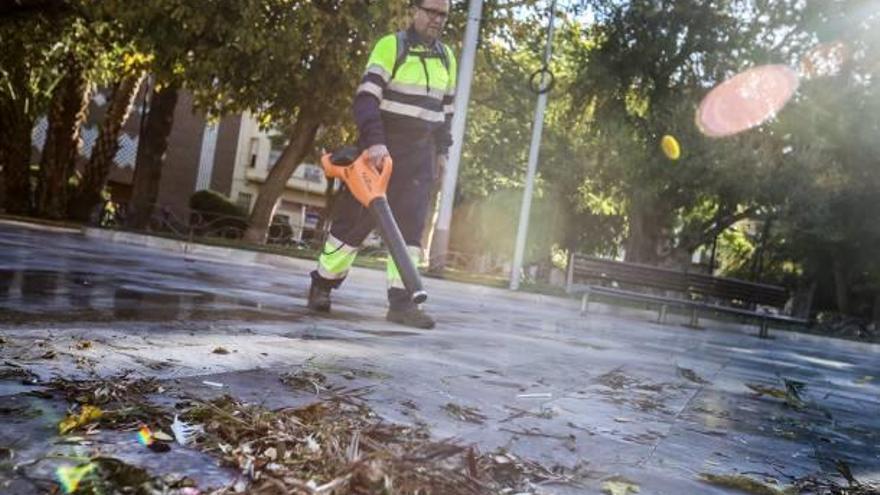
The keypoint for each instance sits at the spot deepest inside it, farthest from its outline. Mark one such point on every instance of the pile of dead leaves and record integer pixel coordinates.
(341, 447)
(120, 402)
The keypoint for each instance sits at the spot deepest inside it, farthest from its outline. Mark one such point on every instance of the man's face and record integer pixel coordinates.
(429, 18)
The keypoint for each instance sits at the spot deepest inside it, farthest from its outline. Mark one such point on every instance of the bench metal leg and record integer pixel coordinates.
(764, 333)
(695, 318)
(585, 302)
(662, 317)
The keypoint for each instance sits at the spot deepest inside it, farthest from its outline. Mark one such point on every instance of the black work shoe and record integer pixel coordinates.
(319, 298)
(410, 317)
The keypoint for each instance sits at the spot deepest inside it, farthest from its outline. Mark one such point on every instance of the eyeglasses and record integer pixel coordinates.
(434, 13)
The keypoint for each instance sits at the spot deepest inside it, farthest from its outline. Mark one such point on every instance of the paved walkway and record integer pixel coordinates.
(610, 393)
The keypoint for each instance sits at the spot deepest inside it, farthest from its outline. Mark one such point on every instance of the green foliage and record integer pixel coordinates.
(214, 214)
(487, 226)
(212, 202)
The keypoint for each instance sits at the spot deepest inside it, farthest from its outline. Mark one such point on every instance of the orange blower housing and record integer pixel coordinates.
(368, 186)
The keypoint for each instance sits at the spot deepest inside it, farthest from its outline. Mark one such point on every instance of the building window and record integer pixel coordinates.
(312, 173)
(253, 151)
(244, 201)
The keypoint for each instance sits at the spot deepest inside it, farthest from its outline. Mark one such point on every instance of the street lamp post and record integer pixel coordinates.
(544, 86)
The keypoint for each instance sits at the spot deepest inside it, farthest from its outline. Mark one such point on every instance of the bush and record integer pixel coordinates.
(215, 214)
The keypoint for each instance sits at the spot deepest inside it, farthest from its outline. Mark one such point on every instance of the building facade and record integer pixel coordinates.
(232, 157)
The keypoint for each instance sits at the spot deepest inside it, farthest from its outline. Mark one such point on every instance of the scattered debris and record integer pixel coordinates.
(18, 372)
(544, 413)
(340, 446)
(220, 350)
(570, 440)
(184, 433)
(813, 484)
(640, 393)
(619, 485)
(864, 380)
(616, 379)
(745, 484)
(82, 345)
(85, 363)
(465, 413)
(306, 379)
(409, 404)
(691, 376)
(121, 399)
(794, 388)
(790, 394)
(110, 475)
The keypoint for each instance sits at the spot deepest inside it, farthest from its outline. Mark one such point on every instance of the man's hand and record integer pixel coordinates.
(440, 169)
(376, 156)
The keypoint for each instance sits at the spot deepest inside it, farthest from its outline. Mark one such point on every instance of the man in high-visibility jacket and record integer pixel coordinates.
(403, 108)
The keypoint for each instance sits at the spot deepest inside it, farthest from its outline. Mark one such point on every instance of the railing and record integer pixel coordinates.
(198, 224)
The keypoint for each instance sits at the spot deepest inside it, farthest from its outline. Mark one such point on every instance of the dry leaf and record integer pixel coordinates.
(86, 415)
(220, 350)
(70, 476)
(83, 345)
(271, 453)
(743, 483)
(161, 435)
(619, 486)
(691, 375)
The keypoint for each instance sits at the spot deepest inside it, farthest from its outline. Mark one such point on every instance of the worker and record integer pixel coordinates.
(403, 110)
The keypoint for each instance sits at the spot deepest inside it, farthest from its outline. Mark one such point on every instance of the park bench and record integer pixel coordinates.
(694, 292)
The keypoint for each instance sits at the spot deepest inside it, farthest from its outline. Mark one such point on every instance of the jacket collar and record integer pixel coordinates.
(415, 39)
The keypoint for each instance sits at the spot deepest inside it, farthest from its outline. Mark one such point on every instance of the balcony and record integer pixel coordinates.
(307, 177)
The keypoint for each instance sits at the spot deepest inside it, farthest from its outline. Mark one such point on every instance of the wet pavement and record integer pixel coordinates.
(609, 394)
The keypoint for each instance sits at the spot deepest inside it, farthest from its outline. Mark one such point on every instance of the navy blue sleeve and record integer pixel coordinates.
(367, 115)
(443, 134)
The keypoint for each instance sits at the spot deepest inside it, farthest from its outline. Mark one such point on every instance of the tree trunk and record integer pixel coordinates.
(88, 195)
(151, 155)
(802, 301)
(841, 284)
(645, 229)
(15, 153)
(67, 111)
(301, 140)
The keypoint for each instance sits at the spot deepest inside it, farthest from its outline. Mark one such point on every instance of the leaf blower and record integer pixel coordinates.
(368, 186)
